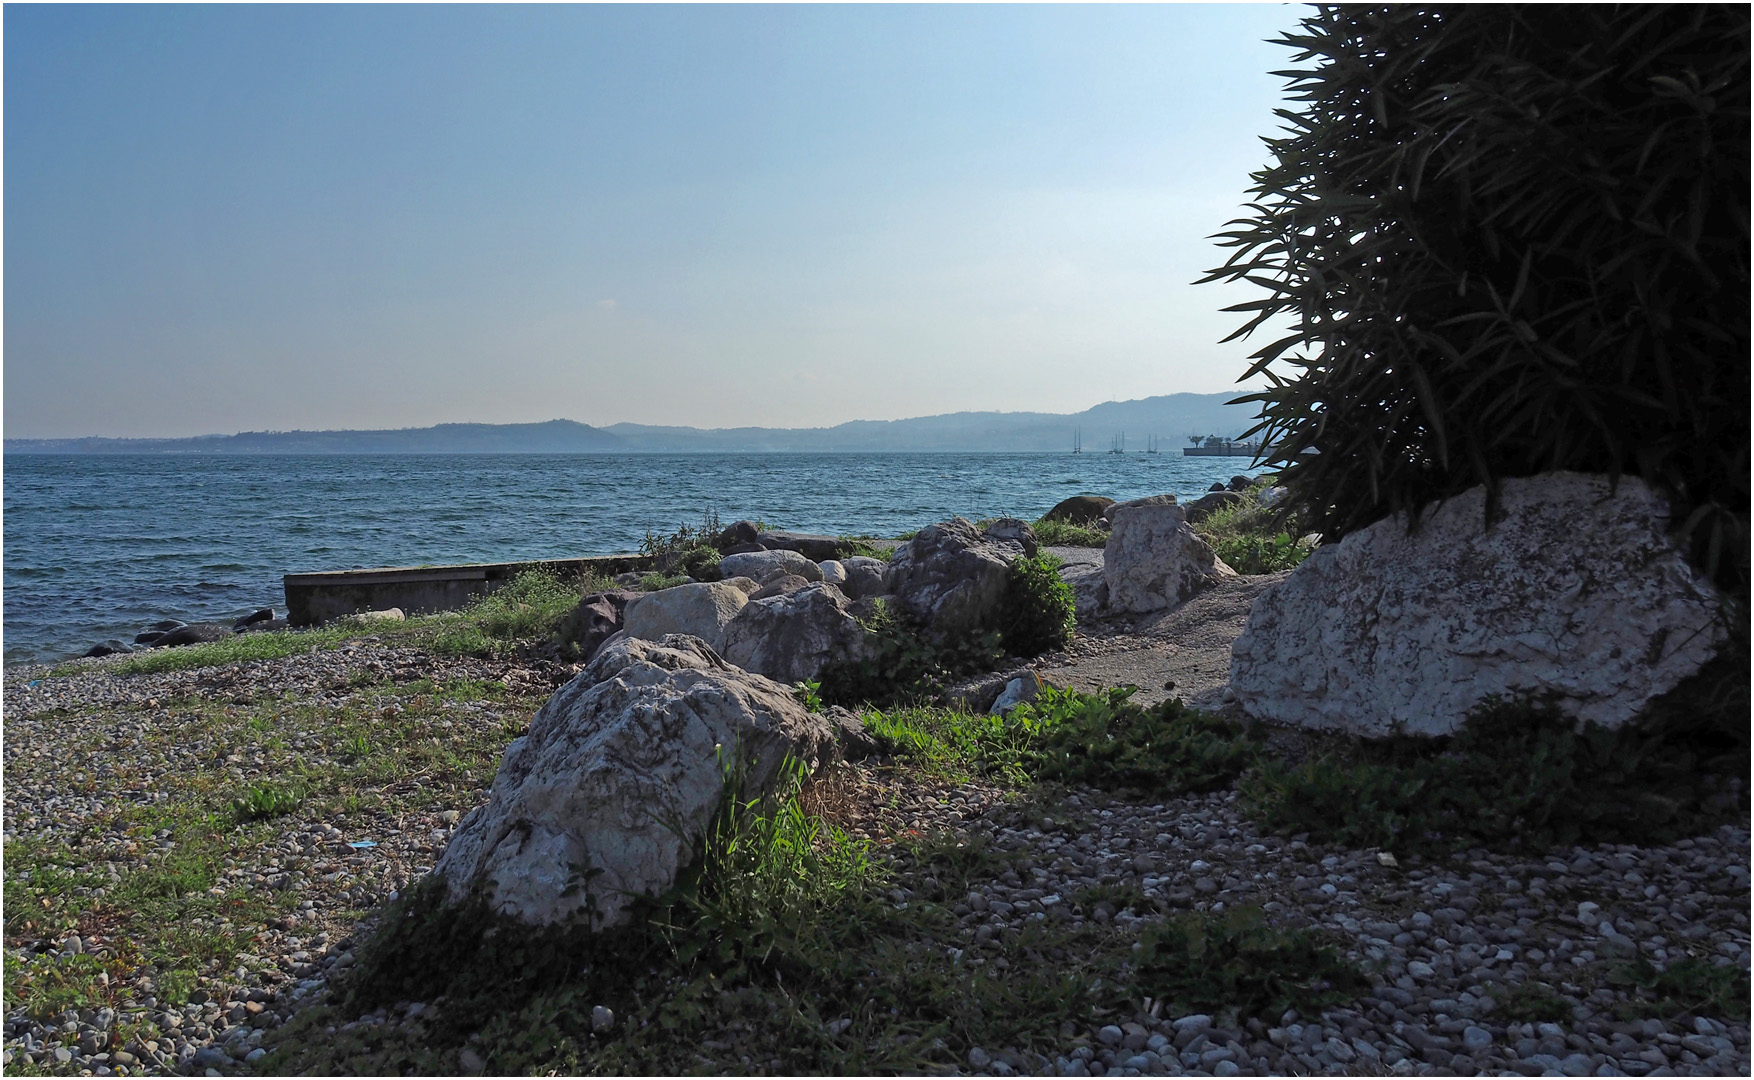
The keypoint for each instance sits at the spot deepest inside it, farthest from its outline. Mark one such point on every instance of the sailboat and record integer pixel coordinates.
(1077, 440)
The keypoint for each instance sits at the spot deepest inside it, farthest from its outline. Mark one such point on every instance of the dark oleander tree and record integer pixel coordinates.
(1510, 239)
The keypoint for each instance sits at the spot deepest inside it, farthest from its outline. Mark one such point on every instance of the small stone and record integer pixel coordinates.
(471, 1061)
(255, 1055)
(602, 1019)
(1192, 1022)
(1226, 1068)
(1577, 1065)
(1476, 1038)
(1110, 1035)
(978, 1058)
(1419, 969)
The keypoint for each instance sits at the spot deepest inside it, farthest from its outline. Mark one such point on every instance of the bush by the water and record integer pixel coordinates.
(1037, 613)
(1510, 239)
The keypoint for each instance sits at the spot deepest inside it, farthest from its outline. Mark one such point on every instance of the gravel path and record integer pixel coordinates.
(1446, 942)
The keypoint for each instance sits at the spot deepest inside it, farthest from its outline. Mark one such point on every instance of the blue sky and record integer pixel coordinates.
(250, 217)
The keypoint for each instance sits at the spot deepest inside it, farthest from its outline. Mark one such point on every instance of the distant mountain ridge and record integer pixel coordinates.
(1168, 418)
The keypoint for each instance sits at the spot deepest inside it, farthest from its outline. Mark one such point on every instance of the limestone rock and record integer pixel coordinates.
(1153, 560)
(1574, 591)
(1012, 530)
(950, 577)
(864, 576)
(109, 648)
(1080, 509)
(621, 772)
(791, 636)
(747, 585)
(832, 572)
(758, 564)
(779, 585)
(701, 610)
(1025, 687)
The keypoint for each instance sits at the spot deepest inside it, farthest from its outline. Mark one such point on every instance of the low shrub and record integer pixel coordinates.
(701, 562)
(1238, 959)
(900, 664)
(531, 605)
(866, 546)
(1692, 986)
(1053, 532)
(655, 581)
(1252, 538)
(1105, 740)
(1518, 774)
(1036, 615)
(686, 536)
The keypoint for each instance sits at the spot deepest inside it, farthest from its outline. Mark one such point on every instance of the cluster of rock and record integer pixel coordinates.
(170, 632)
(687, 695)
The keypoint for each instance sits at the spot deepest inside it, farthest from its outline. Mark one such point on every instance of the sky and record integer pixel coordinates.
(227, 218)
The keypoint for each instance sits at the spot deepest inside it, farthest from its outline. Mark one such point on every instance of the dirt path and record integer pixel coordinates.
(1181, 653)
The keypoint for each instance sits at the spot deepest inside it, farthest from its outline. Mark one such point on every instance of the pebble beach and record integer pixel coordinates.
(1446, 944)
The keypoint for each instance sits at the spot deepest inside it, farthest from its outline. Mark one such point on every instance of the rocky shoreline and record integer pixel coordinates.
(264, 810)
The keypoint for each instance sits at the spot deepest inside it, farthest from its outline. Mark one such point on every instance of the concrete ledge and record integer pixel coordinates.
(312, 599)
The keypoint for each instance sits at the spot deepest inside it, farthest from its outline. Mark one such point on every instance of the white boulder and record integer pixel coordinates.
(607, 797)
(791, 636)
(700, 609)
(1153, 560)
(1575, 591)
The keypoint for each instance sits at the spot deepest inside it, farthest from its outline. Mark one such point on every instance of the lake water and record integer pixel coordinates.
(99, 546)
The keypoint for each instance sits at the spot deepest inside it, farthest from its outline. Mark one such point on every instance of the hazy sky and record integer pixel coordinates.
(239, 218)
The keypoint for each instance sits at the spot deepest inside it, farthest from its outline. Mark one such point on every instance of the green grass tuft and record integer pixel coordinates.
(1053, 532)
(272, 645)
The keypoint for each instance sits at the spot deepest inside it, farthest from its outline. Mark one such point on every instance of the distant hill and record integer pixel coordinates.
(1169, 419)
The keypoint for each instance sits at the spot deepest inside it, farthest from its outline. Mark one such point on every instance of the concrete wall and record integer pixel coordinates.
(312, 599)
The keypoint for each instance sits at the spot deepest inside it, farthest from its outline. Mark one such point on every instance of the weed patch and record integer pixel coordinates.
(1201, 962)
(901, 665)
(1252, 538)
(1688, 987)
(1104, 740)
(261, 801)
(1518, 775)
(1037, 613)
(1053, 532)
(272, 645)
